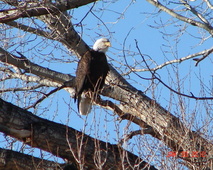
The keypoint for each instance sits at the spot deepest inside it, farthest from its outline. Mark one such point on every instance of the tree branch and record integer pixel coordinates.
(209, 4)
(191, 56)
(206, 54)
(28, 66)
(30, 29)
(32, 9)
(21, 88)
(63, 141)
(193, 10)
(16, 160)
(205, 26)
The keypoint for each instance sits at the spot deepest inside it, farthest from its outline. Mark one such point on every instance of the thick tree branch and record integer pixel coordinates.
(25, 64)
(16, 160)
(63, 141)
(32, 9)
(64, 32)
(58, 20)
(30, 29)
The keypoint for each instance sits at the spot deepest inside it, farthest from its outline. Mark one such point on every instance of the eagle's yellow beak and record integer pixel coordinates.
(108, 44)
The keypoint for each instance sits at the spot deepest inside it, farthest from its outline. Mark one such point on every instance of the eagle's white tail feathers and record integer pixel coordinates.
(85, 105)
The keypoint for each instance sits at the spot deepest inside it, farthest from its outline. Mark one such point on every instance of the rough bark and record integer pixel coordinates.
(57, 19)
(33, 9)
(65, 142)
(29, 67)
(15, 160)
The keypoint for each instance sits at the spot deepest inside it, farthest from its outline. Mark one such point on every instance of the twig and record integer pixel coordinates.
(200, 16)
(134, 133)
(44, 97)
(209, 4)
(30, 29)
(21, 88)
(66, 84)
(171, 12)
(204, 52)
(155, 77)
(146, 129)
(204, 56)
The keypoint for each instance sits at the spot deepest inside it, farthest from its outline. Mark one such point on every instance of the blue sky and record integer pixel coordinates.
(126, 20)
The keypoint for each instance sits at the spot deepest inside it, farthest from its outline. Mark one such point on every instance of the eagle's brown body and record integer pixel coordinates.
(90, 76)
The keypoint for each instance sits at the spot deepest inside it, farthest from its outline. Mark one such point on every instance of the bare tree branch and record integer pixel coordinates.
(205, 26)
(44, 97)
(29, 67)
(63, 141)
(30, 29)
(205, 53)
(209, 4)
(32, 9)
(196, 13)
(204, 56)
(134, 133)
(16, 160)
(20, 88)
(171, 89)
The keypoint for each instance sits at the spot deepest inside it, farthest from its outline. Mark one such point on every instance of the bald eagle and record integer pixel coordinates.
(90, 75)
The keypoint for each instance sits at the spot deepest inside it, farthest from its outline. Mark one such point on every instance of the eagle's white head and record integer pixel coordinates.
(102, 45)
